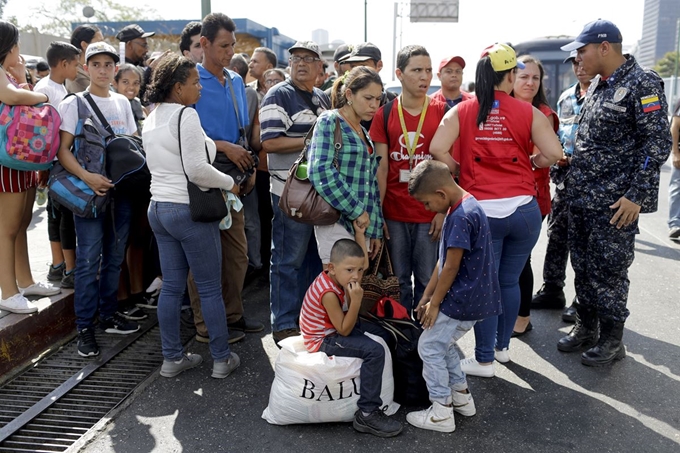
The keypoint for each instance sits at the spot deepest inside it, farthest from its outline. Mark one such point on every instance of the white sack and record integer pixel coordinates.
(315, 388)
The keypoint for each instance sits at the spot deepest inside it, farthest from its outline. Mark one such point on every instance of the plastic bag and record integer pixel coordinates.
(316, 388)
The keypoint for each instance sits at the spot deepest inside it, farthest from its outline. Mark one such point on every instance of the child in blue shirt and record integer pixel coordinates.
(463, 289)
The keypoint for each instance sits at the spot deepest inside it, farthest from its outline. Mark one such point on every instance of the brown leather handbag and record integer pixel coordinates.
(299, 200)
(379, 281)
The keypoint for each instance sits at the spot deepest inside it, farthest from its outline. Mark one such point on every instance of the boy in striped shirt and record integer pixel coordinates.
(328, 323)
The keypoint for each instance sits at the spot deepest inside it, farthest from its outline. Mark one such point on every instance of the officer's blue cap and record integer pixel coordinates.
(596, 31)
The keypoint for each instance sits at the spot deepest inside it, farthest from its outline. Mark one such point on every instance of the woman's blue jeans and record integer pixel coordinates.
(513, 239)
(185, 244)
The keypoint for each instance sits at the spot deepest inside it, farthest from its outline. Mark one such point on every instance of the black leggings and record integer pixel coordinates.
(526, 287)
(60, 225)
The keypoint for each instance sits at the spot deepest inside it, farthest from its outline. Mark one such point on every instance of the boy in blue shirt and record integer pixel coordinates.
(463, 289)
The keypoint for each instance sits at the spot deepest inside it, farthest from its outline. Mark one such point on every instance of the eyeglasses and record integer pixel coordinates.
(307, 59)
(269, 82)
(142, 44)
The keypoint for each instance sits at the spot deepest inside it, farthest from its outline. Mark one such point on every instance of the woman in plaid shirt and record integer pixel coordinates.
(350, 186)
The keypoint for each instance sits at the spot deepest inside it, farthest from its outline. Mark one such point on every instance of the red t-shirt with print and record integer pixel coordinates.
(398, 205)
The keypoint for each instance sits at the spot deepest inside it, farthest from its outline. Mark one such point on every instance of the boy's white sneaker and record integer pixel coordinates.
(503, 355)
(463, 403)
(471, 367)
(18, 304)
(435, 418)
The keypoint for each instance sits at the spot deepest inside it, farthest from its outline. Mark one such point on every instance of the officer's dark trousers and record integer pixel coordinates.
(557, 252)
(601, 256)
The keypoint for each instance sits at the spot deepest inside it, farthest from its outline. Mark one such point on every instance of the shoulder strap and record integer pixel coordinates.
(179, 140)
(300, 94)
(100, 115)
(386, 116)
(241, 129)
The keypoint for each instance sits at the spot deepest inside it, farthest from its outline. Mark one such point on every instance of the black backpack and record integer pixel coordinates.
(402, 337)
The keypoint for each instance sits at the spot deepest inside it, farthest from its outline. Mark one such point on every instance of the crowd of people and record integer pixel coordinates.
(454, 186)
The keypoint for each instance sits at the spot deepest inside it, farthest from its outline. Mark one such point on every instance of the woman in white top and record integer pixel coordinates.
(183, 243)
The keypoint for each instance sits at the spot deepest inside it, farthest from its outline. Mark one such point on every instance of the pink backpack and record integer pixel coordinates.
(29, 136)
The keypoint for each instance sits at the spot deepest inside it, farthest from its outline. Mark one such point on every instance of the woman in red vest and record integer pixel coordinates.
(529, 88)
(496, 135)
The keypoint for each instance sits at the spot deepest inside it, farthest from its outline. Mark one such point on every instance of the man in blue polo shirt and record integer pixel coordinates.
(221, 123)
(287, 113)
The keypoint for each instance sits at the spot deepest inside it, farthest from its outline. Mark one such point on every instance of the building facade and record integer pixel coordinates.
(659, 30)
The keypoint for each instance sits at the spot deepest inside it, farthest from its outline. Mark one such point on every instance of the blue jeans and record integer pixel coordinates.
(513, 238)
(100, 241)
(674, 198)
(356, 344)
(184, 244)
(441, 363)
(252, 226)
(413, 254)
(294, 266)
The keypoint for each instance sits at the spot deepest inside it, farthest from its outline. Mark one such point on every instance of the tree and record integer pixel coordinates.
(2, 6)
(57, 19)
(666, 66)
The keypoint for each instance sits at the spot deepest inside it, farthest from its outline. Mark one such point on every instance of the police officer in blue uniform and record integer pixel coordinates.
(623, 139)
(551, 294)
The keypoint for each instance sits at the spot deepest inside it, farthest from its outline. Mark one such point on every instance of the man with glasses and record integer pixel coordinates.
(136, 46)
(136, 50)
(287, 113)
(451, 76)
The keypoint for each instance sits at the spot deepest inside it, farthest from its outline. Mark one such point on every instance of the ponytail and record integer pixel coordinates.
(486, 81)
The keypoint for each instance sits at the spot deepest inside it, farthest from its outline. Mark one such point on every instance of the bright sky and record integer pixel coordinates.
(481, 22)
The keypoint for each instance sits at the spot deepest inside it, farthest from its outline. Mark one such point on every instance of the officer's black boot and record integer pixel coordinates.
(549, 296)
(584, 333)
(569, 314)
(609, 348)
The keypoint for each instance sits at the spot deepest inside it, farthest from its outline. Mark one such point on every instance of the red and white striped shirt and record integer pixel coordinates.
(315, 324)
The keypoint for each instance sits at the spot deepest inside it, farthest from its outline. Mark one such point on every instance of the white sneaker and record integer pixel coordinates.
(471, 367)
(40, 289)
(503, 355)
(435, 418)
(463, 403)
(18, 304)
(154, 289)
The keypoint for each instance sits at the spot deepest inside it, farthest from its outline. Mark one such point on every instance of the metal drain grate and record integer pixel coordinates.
(49, 407)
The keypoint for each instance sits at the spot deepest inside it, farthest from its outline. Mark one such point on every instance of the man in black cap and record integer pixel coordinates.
(364, 54)
(136, 46)
(622, 140)
(340, 67)
(367, 54)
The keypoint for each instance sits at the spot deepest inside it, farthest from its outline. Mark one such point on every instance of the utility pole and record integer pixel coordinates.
(365, 20)
(674, 93)
(205, 8)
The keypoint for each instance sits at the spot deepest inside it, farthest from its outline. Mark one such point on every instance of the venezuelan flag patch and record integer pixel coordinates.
(650, 103)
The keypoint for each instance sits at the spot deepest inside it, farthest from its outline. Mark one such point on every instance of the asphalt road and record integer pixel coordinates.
(542, 401)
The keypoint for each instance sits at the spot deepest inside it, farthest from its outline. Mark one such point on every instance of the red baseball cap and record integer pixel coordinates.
(448, 60)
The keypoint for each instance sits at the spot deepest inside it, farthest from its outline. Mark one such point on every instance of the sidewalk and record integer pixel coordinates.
(542, 401)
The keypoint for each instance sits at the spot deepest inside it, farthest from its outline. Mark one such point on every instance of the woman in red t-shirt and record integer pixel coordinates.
(496, 134)
(529, 88)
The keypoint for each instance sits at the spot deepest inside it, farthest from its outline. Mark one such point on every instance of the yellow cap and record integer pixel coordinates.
(502, 57)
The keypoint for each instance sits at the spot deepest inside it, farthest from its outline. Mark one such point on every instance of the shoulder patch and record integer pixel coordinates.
(650, 103)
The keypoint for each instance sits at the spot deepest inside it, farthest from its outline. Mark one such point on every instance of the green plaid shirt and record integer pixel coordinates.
(352, 187)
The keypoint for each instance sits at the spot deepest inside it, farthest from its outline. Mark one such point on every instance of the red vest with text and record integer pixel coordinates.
(494, 157)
